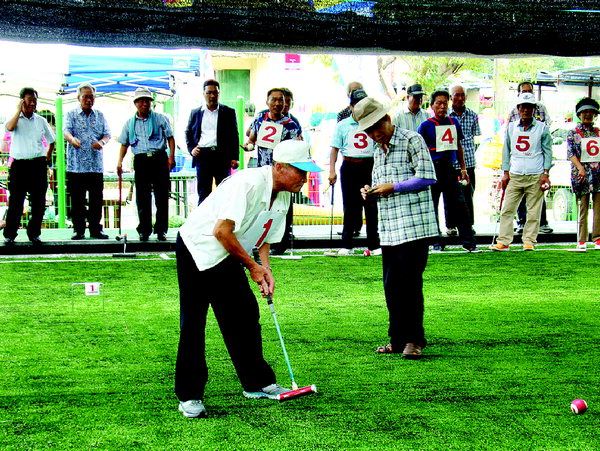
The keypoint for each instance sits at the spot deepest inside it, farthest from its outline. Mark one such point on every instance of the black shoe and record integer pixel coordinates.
(144, 237)
(161, 236)
(546, 229)
(9, 241)
(100, 235)
(36, 241)
(77, 236)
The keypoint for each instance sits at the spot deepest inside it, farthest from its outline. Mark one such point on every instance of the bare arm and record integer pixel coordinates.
(122, 153)
(223, 232)
(171, 144)
(332, 160)
(11, 124)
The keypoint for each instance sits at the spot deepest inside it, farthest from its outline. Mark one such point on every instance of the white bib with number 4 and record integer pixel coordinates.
(269, 134)
(590, 150)
(446, 138)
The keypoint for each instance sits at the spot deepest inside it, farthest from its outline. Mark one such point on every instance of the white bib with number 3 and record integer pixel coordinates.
(590, 150)
(269, 134)
(446, 138)
(255, 236)
(359, 145)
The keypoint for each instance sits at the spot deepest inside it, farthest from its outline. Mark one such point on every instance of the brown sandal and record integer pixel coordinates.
(387, 349)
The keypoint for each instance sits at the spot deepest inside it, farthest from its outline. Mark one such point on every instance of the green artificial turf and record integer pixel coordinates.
(513, 339)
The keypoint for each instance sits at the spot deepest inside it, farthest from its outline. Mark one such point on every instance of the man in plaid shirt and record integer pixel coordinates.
(402, 174)
(470, 127)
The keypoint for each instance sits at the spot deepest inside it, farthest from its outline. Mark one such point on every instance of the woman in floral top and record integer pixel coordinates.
(585, 175)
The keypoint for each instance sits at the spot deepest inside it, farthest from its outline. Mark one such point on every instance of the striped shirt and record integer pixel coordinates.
(410, 121)
(409, 215)
(470, 128)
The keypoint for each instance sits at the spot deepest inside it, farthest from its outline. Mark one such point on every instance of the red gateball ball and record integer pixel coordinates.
(367, 253)
(578, 406)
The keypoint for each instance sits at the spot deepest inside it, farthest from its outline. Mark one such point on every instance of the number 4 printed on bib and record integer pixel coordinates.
(446, 138)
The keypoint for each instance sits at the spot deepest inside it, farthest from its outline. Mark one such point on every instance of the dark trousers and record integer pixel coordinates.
(355, 175)
(210, 165)
(454, 200)
(286, 239)
(468, 192)
(225, 287)
(80, 185)
(403, 267)
(152, 176)
(26, 177)
(522, 213)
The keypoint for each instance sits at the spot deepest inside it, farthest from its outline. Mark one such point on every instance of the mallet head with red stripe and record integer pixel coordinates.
(297, 393)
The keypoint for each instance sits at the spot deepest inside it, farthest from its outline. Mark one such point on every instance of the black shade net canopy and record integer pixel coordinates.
(469, 27)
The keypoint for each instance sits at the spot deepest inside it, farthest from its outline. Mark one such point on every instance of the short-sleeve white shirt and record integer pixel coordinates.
(26, 138)
(243, 198)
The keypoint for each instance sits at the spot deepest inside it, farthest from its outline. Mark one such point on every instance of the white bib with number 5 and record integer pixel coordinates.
(446, 138)
(590, 150)
(269, 134)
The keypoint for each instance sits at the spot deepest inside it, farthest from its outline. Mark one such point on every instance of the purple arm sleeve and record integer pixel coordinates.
(412, 184)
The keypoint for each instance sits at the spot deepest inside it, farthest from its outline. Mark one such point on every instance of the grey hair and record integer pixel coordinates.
(83, 86)
(454, 86)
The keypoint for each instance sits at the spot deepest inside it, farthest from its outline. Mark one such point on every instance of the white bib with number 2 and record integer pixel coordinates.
(446, 138)
(269, 134)
(590, 150)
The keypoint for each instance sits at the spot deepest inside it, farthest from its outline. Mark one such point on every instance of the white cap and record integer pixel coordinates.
(295, 153)
(142, 93)
(526, 98)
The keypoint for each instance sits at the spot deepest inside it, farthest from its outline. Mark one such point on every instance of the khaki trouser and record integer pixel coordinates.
(519, 186)
(584, 205)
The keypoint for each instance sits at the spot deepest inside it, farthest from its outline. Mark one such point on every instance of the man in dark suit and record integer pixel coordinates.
(212, 139)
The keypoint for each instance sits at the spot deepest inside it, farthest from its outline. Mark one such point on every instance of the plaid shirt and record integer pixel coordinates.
(470, 127)
(406, 216)
(410, 121)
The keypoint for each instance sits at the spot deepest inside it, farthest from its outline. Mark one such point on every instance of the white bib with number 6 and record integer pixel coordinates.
(590, 150)
(269, 134)
(446, 138)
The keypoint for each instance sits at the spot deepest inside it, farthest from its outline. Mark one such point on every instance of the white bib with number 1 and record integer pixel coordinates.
(255, 236)
(446, 138)
(269, 134)
(590, 150)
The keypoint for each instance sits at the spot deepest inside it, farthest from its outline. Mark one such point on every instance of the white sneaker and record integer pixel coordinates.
(268, 392)
(376, 251)
(582, 245)
(597, 245)
(192, 408)
(344, 251)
